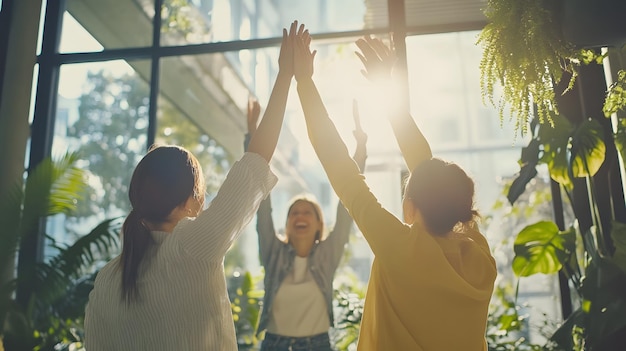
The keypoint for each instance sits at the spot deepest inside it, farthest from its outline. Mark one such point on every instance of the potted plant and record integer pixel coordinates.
(59, 288)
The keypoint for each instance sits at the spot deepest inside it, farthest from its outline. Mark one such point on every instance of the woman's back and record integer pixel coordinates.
(432, 295)
(176, 309)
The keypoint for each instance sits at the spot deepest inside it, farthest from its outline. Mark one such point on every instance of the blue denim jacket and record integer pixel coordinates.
(277, 258)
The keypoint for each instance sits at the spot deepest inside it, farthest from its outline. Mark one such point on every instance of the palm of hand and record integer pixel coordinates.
(378, 60)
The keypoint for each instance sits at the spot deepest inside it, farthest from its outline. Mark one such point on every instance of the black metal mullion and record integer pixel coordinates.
(154, 72)
(397, 26)
(42, 129)
(204, 48)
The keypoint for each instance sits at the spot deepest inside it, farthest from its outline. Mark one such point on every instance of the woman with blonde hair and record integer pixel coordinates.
(299, 269)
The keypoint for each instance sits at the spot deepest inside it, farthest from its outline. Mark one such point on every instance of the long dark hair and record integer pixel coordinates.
(443, 193)
(165, 178)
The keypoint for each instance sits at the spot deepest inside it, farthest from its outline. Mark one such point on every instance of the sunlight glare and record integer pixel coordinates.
(340, 82)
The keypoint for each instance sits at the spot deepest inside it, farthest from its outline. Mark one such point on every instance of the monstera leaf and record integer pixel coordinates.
(572, 153)
(541, 248)
(587, 149)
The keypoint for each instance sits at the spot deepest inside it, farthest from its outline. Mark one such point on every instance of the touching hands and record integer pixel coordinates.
(285, 58)
(303, 57)
(378, 59)
(254, 111)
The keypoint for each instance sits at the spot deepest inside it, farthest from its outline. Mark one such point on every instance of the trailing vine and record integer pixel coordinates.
(524, 53)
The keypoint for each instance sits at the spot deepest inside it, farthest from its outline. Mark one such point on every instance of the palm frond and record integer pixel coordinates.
(99, 244)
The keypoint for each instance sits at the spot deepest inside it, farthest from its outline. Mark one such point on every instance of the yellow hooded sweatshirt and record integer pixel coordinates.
(426, 292)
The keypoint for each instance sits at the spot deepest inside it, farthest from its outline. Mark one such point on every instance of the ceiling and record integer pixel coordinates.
(431, 16)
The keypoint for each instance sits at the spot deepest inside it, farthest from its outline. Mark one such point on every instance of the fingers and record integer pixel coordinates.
(300, 30)
(367, 49)
(292, 29)
(362, 58)
(381, 49)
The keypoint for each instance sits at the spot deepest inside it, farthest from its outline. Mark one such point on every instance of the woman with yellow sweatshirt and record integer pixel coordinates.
(433, 273)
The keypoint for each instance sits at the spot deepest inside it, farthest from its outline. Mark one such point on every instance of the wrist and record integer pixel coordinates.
(282, 74)
(304, 80)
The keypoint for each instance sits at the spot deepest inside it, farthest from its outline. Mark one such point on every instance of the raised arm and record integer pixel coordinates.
(264, 140)
(343, 173)
(379, 63)
(322, 132)
(343, 223)
(265, 223)
(360, 153)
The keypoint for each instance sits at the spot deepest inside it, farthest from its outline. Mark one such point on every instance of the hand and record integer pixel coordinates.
(359, 134)
(254, 111)
(303, 57)
(285, 58)
(378, 59)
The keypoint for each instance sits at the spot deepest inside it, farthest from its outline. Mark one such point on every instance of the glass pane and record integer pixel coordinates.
(203, 21)
(446, 102)
(444, 80)
(112, 24)
(211, 92)
(102, 113)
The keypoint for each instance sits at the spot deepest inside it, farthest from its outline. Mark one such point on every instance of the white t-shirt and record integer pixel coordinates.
(299, 308)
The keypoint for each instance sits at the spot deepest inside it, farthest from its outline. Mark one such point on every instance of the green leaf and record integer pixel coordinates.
(555, 142)
(616, 95)
(559, 168)
(587, 149)
(526, 174)
(541, 248)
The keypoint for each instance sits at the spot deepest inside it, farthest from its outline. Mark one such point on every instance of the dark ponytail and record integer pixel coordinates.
(136, 241)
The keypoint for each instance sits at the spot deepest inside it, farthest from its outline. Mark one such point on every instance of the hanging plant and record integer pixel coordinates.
(524, 53)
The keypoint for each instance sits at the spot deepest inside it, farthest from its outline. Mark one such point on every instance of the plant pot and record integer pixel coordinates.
(594, 23)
